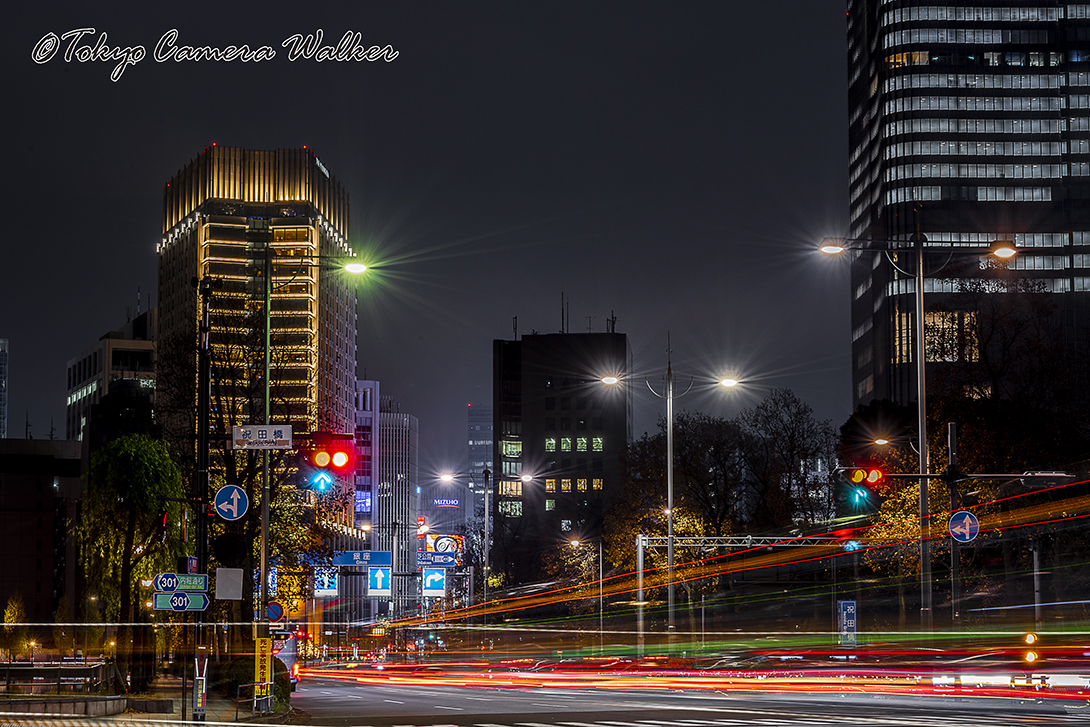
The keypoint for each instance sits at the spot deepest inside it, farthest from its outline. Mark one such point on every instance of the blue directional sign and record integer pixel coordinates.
(378, 582)
(433, 582)
(964, 526)
(231, 502)
(849, 617)
(181, 601)
(363, 557)
(425, 559)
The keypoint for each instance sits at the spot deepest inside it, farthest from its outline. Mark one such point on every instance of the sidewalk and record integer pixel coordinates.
(217, 708)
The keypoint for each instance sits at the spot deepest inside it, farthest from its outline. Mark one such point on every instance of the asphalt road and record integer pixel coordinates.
(340, 704)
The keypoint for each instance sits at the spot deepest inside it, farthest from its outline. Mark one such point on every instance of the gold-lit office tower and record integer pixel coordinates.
(219, 214)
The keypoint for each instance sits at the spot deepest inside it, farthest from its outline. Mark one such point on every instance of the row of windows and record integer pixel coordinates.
(596, 444)
(966, 36)
(974, 80)
(566, 423)
(977, 126)
(974, 103)
(1021, 240)
(974, 171)
(596, 483)
(989, 58)
(985, 148)
(973, 15)
(973, 194)
(950, 285)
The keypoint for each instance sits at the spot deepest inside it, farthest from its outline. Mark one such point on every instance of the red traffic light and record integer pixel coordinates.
(332, 451)
(865, 475)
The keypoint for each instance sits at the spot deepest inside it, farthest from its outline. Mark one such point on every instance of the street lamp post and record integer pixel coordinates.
(1002, 249)
(669, 394)
(259, 231)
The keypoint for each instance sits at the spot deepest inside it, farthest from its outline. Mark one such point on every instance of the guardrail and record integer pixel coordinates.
(260, 692)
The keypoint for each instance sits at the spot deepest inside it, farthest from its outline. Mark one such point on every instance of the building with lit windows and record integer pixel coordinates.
(974, 120)
(554, 421)
(220, 212)
(126, 355)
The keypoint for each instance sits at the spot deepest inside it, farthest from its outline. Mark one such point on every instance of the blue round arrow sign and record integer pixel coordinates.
(231, 502)
(964, 526)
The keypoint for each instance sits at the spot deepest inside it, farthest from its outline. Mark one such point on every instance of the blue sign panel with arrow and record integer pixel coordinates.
(378, 582)
(231, 502)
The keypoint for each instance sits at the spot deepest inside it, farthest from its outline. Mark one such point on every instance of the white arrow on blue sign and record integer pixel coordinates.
(231, 502)
(378, 582)
(434, 582)
(964, 526)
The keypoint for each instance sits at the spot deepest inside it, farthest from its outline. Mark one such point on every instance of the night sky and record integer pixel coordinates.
(669, 163)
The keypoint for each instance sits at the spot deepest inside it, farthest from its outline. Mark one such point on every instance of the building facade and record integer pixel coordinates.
(3, 388)
(124, 355)
(555, 422)
(222, 214)
(968, 123)
(394, 500)
(40, 486)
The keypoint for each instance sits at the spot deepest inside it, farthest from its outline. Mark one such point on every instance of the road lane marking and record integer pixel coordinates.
(481, 699)
(394, 701)
(443, 706)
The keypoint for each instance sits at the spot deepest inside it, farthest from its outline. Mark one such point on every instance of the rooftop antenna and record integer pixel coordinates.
(611, 323)
(138, 301)
(515, 326)
(52, 429)
(561, 311)
(28, 434)
(590, 323)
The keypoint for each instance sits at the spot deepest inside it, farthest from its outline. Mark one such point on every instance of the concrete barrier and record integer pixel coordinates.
(87, 706)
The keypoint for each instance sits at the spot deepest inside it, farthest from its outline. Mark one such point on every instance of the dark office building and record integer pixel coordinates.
(557, 423)
(39, 488)
(974, 121)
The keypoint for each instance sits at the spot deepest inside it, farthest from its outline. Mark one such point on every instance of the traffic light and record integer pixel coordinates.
(856, 487)
(327, 456)
(1032, 654)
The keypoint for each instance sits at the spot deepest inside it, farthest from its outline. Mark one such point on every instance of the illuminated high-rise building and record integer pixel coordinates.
(972, 120)
(219, 213)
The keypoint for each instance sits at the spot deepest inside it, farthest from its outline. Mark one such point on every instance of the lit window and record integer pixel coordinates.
(565, 485)
(511, 489)
(550, 505)
(565, 444)
(512, 448)
(511, 508)
(596, 483)
(581, 484)
(581, 444)
(550, 444)
(565, 525)
(550, 485)
(597, 443)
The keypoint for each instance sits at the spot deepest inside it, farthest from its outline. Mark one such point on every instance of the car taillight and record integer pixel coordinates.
(295, 670)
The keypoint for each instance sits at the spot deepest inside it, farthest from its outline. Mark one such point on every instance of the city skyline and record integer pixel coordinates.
(656, 163)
